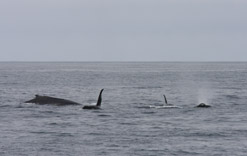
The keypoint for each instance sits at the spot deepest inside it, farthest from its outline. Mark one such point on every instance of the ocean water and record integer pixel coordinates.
(125, 125)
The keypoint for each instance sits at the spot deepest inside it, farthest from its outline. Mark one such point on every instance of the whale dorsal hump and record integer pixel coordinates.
(203, 105)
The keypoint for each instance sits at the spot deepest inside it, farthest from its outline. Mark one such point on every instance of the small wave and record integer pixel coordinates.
(183, 152)
(42, 132)
(233, 96)
(104, 115)
(113, 145)
(142, 107)
(157, 127)
(152, 112)
(241, 131)
(207, 134)
(164, 107)
(128, 123)
(147, 87)
(9, 83)
(3, 106)
(94, 134)
(48, 111)
(64, 135)
(53, 123)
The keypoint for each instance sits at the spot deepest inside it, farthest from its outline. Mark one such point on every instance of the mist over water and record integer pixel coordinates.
(205, 96)
(125, 125)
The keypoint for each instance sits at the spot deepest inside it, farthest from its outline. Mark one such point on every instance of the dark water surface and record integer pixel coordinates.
(125, 125)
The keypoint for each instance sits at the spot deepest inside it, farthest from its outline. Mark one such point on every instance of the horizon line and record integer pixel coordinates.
(122, 61)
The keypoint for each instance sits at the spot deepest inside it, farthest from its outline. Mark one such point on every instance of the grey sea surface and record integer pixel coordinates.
(126, 125)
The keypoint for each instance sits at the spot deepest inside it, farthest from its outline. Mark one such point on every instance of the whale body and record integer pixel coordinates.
(51, 100)
(166, 105)
(203, 105)
(97, 106)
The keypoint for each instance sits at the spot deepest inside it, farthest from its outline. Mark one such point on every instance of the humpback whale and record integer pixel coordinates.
(97, 106)
(51, 100)
(203, 105)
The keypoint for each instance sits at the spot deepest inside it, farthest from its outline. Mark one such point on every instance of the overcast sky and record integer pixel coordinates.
(123, 30)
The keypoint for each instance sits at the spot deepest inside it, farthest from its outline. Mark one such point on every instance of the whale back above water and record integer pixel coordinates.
(203, 105)
(98, 105)
(51, 100)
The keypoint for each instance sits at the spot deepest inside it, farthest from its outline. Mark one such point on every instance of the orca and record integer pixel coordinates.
(166, 105)
(203, 105)
(169, 104)
(51, 100)
(97, 106)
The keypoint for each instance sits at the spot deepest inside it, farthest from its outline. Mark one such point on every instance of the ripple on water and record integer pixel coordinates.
(128, 123)
(149, 112)
(64, 135)
(233, 97)
(208, 134)
(104, 115)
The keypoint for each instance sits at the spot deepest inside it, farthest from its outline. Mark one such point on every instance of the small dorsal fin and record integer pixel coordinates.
(165, 99)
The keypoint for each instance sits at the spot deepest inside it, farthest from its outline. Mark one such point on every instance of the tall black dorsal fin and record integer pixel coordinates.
(165, 99)
(99, 98)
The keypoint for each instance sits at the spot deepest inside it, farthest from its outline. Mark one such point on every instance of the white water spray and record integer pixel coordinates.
(205, 95)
